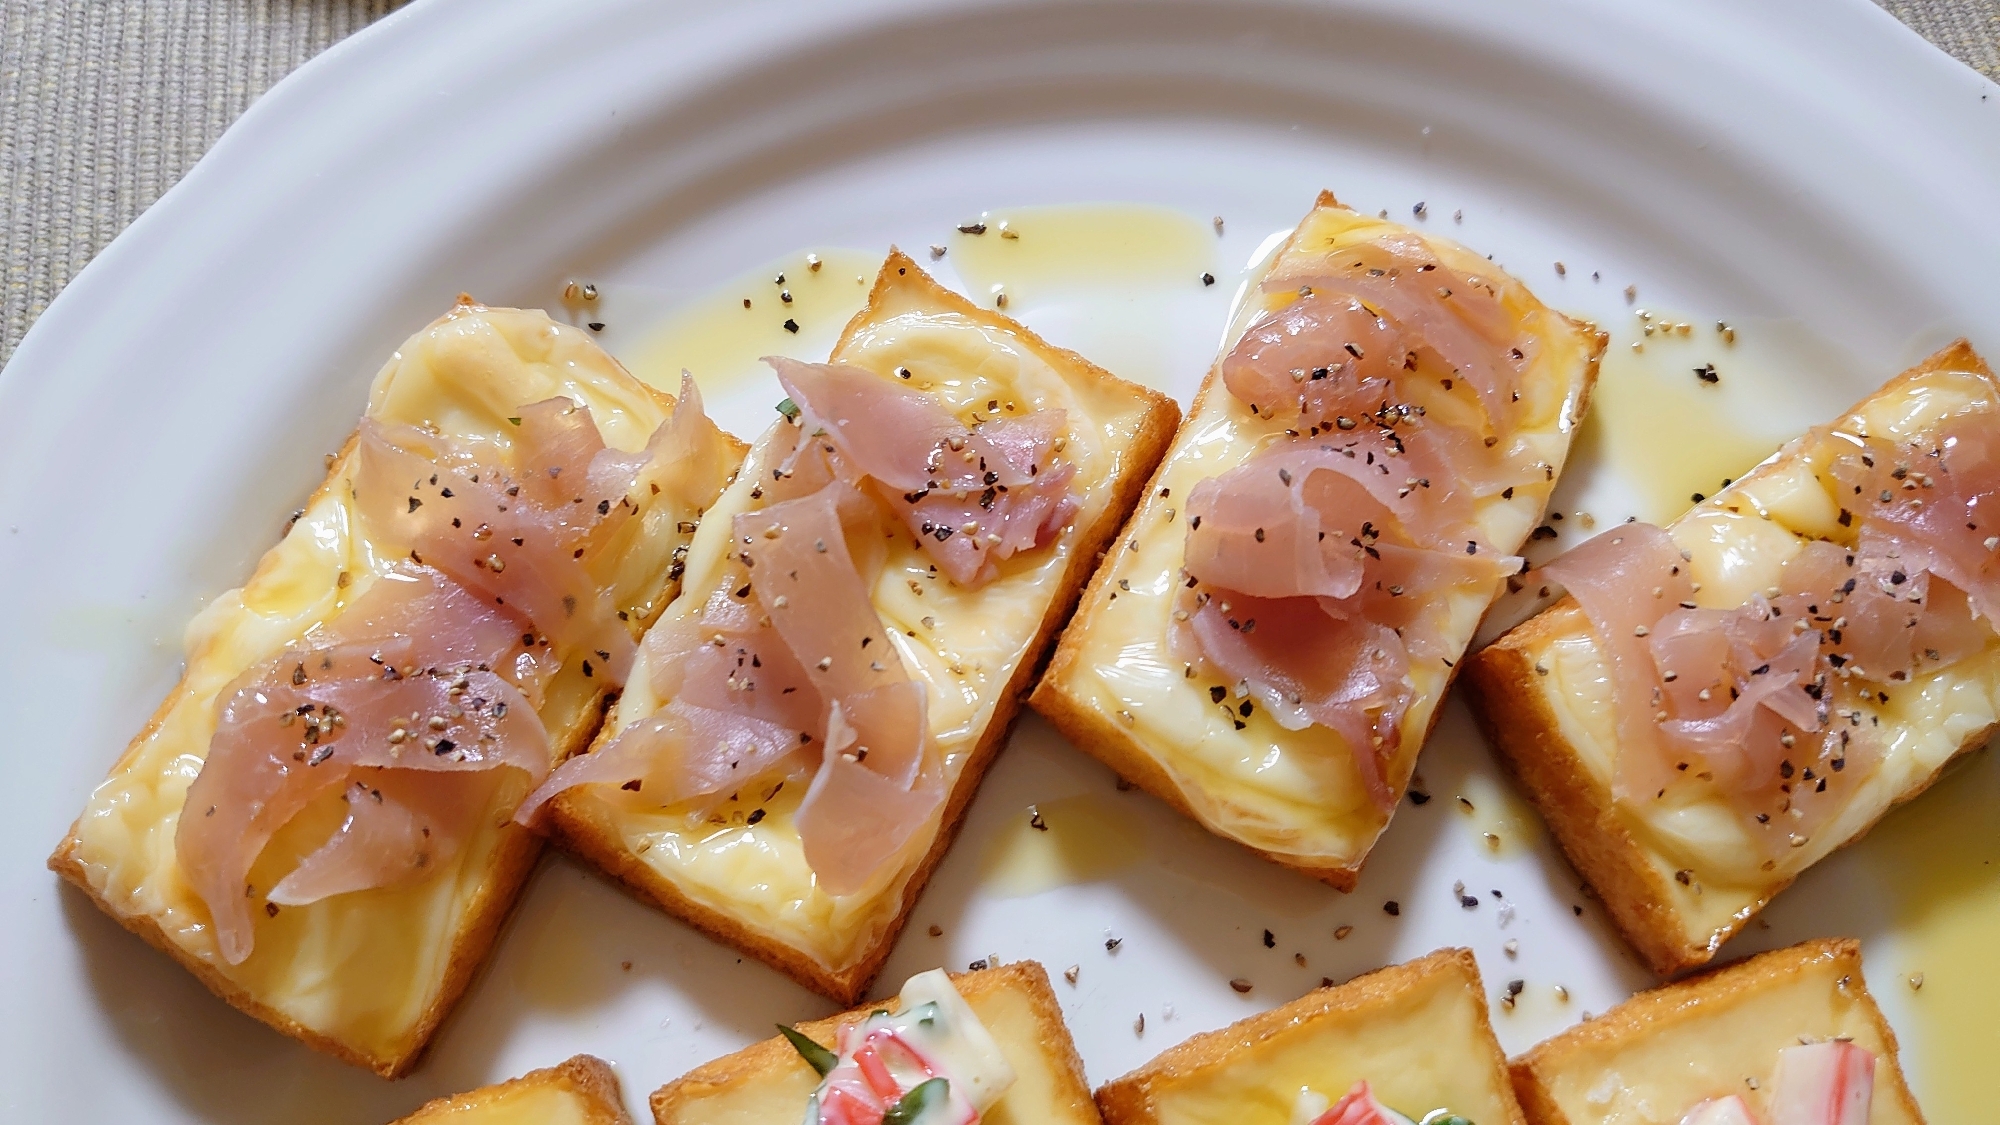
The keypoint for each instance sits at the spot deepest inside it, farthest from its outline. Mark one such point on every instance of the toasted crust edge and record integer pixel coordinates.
(587, 1075)
(1634, 1018)
(585, 831)
(760, 1059)
(1129, 1100)
(514, 860)
(1070, 712)
(1514, 713)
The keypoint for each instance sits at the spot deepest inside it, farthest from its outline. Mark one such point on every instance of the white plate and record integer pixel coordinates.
(1808, 165)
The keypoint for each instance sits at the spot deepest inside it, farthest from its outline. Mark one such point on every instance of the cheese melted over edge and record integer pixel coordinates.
(1292, 793)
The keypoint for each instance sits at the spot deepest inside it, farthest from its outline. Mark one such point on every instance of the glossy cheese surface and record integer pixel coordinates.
(1426, 1047)
(1009, 1015)
(1737, 541)
(1724, 1044)
(964, 645)
(512, 1104)
(1295, 794)
(363, 967)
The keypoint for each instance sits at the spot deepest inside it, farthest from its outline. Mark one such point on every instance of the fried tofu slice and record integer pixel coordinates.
(1416, 1033)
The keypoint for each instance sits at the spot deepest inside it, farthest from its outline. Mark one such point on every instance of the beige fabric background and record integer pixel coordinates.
(105, 103)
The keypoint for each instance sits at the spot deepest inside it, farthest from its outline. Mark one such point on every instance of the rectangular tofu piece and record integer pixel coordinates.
(367, 976)
(1658, 1055)
(1117, 689)
(581, 1091)
(1678, 875)
(1417, 1033)
(740, 874)
(768, 1083)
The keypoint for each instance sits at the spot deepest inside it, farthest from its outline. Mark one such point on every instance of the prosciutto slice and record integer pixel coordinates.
(972, 496)
(792, 676)
(513, 538)
(376, 695)
(1314, 568)
(1305, 668)
(1604, 574)
(750, 682)
(400, 823)
(877, 785)
(1457, 317)
(1307, 584)
(879, 779)
(1752, 699)
(1329, 365)
(1732, 698)
(411, 702)
(1328, 495)
(740, 708)
(1322, 356)
(1935, 501)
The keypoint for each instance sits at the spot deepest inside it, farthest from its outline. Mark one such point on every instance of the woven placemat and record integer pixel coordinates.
(105, 103)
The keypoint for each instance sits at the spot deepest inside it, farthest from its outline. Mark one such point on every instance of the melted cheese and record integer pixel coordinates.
(1037, 1096)
(363, 968)
(511, 1104)
(1291, 793)
(1726, 1044)
(1737, 542)
(976, 639)
(1419, 1049)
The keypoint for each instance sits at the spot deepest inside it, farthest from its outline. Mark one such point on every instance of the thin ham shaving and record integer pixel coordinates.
(1936, 498)
(809, 585)
(1336, 502)
(1318, 357)
(1748, 698)
(972, 496)
(1731, 698)
(513, 538)
(356, 701)
(880, 778)
(740, 707)
(1307, 586)
(1314, 567)
(1349, 675)
(1330, 365)
(792, 674)
(1602, 575)
(400, 823)
(409, 701)
(680, 754)
(1457, 317)
(877, 785)
(526, 536)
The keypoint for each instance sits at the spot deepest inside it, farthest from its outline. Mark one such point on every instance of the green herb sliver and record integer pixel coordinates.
(914, 1105)
(816, 1056)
